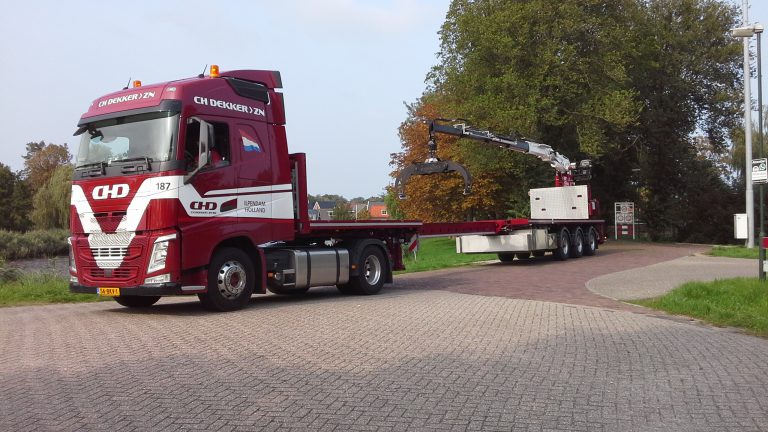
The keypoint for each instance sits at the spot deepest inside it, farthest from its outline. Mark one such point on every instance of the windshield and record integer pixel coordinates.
(151, 136)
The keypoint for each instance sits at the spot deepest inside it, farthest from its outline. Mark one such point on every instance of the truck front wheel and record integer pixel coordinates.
(371, 273)
(230, 281)
(137, 301)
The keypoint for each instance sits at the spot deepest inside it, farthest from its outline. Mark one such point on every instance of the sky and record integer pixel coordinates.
(348, 68)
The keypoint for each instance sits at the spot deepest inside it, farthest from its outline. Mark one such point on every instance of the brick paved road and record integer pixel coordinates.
(404, 360)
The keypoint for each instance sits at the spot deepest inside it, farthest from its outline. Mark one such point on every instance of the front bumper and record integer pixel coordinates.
(164, 289)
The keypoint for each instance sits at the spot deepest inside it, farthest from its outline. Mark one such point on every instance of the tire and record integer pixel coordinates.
(563, 249)
(231, 281)
(137, 301)
(577, 248)
(590, 243)
(506, 257)
(372, 272)
(523, 256)
(538, 253)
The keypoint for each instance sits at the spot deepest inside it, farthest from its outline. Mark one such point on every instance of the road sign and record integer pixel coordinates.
(624, 221)
(760, 170)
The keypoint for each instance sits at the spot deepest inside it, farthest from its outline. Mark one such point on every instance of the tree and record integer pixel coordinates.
(41, 162)
(51, 203)
(687, 70)
(623, 82)
(14, 213)
(342, 211)
(363, 214)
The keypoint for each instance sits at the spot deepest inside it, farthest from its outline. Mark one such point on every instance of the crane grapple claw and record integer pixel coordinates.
(429, 168)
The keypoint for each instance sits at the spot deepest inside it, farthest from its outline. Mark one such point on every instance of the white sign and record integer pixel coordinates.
(760, 170)
(624, 213)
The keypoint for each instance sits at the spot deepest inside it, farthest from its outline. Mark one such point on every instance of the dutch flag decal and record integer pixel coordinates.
(250, 145)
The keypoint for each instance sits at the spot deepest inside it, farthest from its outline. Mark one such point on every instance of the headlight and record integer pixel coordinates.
(159, 253)
(72, 266)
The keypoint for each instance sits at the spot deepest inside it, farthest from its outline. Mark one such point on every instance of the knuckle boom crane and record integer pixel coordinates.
(566, 173)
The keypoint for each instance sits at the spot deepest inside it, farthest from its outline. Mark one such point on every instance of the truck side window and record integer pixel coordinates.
(219, 147)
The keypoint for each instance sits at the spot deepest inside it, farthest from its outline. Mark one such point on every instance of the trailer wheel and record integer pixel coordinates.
(578, 244)
(506, 257)
(230, 281)
(590, 245)
(563, 244)
(372, 272)
(137, 301)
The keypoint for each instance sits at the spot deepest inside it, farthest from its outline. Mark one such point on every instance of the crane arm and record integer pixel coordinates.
(518, 144)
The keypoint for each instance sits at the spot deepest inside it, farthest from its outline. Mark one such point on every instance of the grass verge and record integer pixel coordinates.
(738, 302)
(734, 252)
(39, 288)
(437, 253)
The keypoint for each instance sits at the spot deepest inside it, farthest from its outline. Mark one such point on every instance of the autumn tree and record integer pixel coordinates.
(41, 162)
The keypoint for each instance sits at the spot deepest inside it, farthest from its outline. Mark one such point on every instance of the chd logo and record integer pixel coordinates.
(114, 191)
(203, 205)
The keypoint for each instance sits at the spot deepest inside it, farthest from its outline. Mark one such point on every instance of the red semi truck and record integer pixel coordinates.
(187, 187)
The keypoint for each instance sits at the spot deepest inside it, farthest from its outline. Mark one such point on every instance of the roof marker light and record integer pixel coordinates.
(214, 71)
(136, 83)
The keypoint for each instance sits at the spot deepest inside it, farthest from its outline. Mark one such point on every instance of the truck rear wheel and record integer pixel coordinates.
(137, 301)
(230, 281)
(578, 244)
(563, 249)
(372, 272)
(590, 244)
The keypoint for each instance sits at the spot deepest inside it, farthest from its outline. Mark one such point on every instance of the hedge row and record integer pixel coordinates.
(33, 244)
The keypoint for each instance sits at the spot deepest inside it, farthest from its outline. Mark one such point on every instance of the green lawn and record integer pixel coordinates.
(39, 288)
(739, 302)
(734, 252)
(437, 253)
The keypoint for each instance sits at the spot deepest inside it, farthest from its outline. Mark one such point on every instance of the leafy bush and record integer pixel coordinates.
(8, 274)
(33, 244)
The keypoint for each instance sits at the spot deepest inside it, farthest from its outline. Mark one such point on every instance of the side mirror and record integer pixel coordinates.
(203, 152)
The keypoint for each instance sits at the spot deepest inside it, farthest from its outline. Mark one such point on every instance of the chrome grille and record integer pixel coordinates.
(109, 252)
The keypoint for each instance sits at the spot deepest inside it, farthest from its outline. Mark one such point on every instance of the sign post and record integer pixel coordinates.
(624, 219)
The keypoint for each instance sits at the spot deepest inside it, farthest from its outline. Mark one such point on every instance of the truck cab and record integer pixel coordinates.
(169, 173)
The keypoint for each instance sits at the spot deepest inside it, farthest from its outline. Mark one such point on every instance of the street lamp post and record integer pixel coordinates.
(746, 33)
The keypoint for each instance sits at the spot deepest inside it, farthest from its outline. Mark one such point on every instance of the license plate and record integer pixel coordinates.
(109, 292)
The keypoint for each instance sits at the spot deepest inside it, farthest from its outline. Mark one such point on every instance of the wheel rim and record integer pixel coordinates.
(591, 240)
(565, 243)
(579, 243)
(231, 279)
(372, 270)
